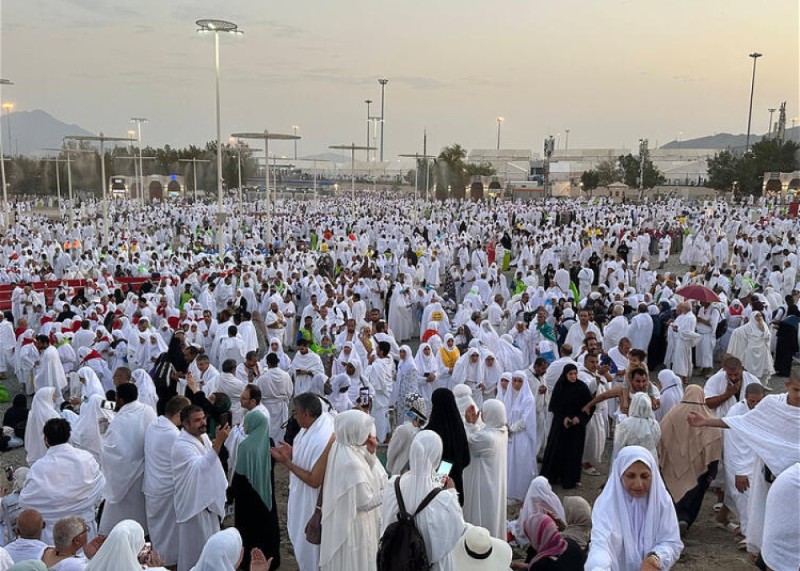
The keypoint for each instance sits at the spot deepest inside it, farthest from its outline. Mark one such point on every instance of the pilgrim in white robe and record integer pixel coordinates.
(739, 460)
(640, 331)
(681, 338)
(379, 375)
(309, 445)
(42, 409)
(50, 372)
(199, 497)
(304, 368)
(123, 466)
(65, 481)
(522, 442)
(276, 392)
(158, 488)
(751, 345)
(485, 477)
(782, 526)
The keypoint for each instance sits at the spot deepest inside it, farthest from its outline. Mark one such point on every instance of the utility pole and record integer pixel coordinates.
(383, 82)
(549, 147)
(755, 56)
(643, 153)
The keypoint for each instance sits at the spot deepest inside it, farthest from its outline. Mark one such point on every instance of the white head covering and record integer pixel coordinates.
(221, 552)
(43, 408)
(86, 432)
(120, 550)
(146, 387)
(540, 497)
(91, 383)
(640, 428)
(781, 524)
(425, 363)
(407, 364)
(625, 529)
(348, 470)
(671, 392)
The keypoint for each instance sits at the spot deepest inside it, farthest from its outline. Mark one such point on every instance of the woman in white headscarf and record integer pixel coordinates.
(10, 507)
(469, 371)
(446, 359)
(90, 384)
(348, 354)
(351, 495)
(92, 423)
(406, 382)
(639, 428)
(223, 552)
(146, 387)
(634, 526)
(120, 550)
(441, 523)
(485, 477)
(751, 344)
(276, 346)
(522, 445)
(427, 369)
(492, 369)
(43, 408)
(671, 392)
(540, 498)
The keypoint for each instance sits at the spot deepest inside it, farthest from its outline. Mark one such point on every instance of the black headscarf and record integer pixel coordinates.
(445, 420)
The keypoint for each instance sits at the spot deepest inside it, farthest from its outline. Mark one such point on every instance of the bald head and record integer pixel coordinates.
(30, 524)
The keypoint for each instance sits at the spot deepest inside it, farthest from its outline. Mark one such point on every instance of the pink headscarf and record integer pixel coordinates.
(544, 537)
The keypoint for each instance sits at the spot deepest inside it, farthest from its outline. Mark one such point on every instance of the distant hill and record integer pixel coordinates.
(31, 131)
(726, 141)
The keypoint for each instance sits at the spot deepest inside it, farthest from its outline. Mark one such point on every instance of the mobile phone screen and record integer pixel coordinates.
(444, 470)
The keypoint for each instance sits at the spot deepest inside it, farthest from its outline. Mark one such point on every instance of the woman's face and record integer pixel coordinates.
(516, 382)
(572, 376)
(489, 361)
(273, 347)
(402, 354)
(504, 384)
(474, 358)
(451, 343)
(427, 351)
(637, 480)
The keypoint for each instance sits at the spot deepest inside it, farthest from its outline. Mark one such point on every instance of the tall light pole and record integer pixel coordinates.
(8, 107)
(352, 147)
(6, 219)
(102, 138)
(266, 136)
(566, 142)
(294, 132)
(215, 27)
(57, 159)
(643, 152)
(194, 161)
(499, 124)
(368, 102)
(417, 157)
(769, 131)
(383, 82)
(755, 56)
(139, 121)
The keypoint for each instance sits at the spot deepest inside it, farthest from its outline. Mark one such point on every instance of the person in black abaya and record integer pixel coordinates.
(786, 346)
(445, 420)
(564, 450)
(253, 492)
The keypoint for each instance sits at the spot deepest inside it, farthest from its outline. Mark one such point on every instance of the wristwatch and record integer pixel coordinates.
(654, 554)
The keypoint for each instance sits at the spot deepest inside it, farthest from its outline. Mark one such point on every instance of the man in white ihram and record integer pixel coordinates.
(158, 485)
(306, 463)
(123, 460)
(200, 485)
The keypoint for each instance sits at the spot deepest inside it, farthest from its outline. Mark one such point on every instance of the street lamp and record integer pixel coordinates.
(352, 147)
(139, 121)
(6, 220)
(266, 136)
(499, 124)
(194, 161)
(368, 102)
(417, 157)
(383, 82)
(294, 132)
(8, 107)
(215, 27)
(769, 131)
(755, 56)
(566, 142)
(102, 138)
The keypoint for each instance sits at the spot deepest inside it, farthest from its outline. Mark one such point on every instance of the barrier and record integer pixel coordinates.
(49, 288)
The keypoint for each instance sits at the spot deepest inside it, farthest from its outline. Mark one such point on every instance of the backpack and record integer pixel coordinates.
(161, 371)
(722, 327)
(402, 547)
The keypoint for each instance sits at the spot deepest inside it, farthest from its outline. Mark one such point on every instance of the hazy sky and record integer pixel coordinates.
(610, 71)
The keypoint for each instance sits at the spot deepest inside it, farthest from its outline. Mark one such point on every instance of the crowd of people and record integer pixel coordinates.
(549, 336)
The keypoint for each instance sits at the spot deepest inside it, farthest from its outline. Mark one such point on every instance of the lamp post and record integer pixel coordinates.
(57, 160)
(368, 102)
(102, 139)
(6, 220)
(643, 152)
(352, 147)
(294, 132)
(194, 161)
(499, 124)
(217, 26)
(383, 82)
(417, 157)
(139, 121)
(755, 56)
(566, 141)
(769, 131)
(8, 107)
(266, 136)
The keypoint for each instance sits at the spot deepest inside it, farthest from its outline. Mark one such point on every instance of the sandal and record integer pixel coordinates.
(592, 471)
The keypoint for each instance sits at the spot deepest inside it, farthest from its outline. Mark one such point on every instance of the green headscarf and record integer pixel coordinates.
(253, 460)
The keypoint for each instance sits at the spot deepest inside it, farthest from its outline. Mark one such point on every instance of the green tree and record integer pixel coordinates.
(630, 169)
(451, 172)
(768, 155)
(723, 170)
(607, 173)
(590, 180)
(480, 169)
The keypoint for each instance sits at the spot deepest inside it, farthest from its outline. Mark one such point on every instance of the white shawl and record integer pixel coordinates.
(200, 481)
(123, 449)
